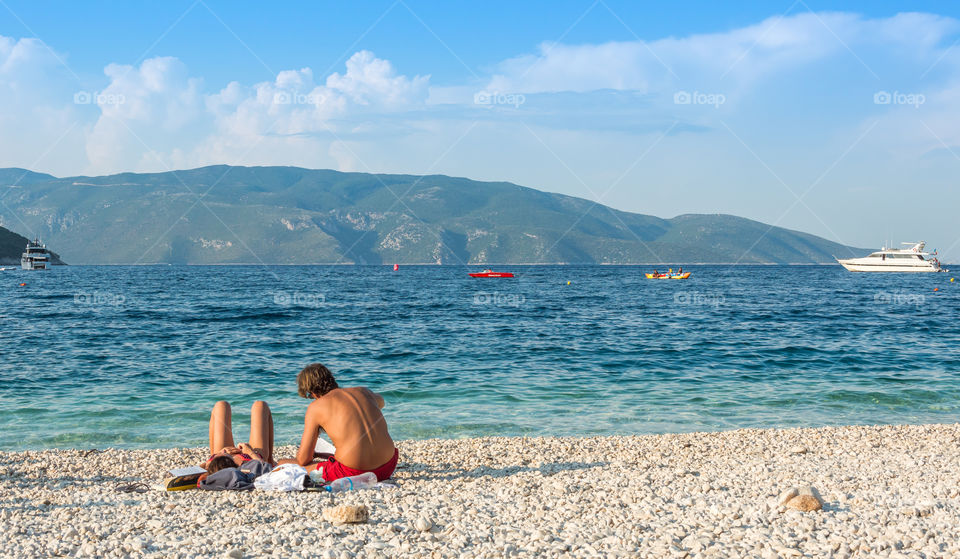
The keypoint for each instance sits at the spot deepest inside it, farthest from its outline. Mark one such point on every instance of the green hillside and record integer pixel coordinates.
(15, 176)
(11, 247)
(289, 215)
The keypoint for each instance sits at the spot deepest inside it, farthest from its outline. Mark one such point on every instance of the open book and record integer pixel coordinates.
(179, 479)
(324, 447)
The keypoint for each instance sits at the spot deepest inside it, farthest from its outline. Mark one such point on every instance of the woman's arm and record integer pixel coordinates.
(254, 453)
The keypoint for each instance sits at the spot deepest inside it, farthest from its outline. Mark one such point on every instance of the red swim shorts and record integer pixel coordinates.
(335, 470)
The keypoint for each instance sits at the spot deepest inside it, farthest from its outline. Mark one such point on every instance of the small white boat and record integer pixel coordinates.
(912, 259)
(36, 257)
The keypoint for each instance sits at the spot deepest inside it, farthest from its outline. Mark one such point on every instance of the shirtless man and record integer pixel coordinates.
(354, 422)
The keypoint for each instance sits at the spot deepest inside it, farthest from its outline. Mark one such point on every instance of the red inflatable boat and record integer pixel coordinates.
(491, 274)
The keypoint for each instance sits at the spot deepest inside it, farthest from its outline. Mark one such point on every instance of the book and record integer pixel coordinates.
(179, 479)
(324, 447)
(189, 470)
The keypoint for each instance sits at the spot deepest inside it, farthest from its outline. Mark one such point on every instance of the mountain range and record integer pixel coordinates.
(289, 215)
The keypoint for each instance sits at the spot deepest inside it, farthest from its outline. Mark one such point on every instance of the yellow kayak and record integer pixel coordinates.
(684, 275)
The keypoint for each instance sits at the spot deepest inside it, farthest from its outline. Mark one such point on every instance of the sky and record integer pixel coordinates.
(840, 119)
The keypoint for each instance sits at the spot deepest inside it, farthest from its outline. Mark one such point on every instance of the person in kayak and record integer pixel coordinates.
(352, 419)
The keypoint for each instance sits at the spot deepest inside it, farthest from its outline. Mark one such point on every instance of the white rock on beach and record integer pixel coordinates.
(423, 524)
(343, 514)
(678, 495)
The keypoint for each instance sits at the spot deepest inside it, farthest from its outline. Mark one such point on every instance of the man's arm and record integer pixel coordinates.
(308, 442)
(311, 430)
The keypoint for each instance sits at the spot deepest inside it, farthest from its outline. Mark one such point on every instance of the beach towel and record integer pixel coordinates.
(285, 477)
(236, 479)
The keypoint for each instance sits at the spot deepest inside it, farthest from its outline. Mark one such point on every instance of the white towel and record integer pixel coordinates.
(285, 477)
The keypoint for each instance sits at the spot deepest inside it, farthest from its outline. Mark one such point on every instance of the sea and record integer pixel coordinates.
(135, 357)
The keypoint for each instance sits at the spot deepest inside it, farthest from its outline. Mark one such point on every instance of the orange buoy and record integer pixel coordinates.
(22, 285)
(936, 289)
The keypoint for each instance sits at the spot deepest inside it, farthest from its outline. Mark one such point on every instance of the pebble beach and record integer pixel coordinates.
(887, 491)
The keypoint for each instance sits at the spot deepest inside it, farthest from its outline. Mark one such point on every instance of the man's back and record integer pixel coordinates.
(352, 419)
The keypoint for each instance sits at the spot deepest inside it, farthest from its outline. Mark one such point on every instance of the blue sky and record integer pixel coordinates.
(836, 118)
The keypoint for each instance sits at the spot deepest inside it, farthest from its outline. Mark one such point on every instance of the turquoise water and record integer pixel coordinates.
(136, 356)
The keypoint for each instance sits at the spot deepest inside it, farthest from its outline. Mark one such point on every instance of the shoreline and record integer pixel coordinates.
(731, 264)
(891, 490)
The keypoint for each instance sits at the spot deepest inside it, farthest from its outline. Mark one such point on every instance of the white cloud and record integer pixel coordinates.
(156, 116)
(372, 81)
(145, 114)
(774, 45)
(917, 123)
(40, 126)
(798, 90)
(345, 157)
(294, 104)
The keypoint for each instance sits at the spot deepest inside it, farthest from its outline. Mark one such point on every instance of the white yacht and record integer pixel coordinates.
(36, 257)
(911, 259)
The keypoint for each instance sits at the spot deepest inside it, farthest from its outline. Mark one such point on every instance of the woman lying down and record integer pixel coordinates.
(232, 466)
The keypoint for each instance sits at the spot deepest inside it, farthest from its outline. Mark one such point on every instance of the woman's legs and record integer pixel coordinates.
(261, 429)
(221, 432)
